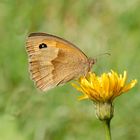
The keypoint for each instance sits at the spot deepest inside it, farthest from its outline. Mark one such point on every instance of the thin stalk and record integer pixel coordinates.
(107, 129)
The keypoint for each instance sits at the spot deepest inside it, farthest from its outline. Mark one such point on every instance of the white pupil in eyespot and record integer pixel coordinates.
(43, 45)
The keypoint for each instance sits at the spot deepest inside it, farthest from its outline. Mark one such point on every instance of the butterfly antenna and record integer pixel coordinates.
(102, 54)
(99, 55)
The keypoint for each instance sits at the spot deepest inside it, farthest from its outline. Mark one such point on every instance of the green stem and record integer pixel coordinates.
(107, 129)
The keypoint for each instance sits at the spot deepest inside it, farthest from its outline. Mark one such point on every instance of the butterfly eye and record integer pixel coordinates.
(43, 45)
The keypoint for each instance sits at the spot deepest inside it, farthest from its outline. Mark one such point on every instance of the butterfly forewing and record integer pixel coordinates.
(54, 61)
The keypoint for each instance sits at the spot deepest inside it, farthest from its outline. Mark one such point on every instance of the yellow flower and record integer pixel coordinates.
(103, 88)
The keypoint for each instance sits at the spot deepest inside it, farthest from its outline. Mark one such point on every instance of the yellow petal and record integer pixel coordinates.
(129, 86)
(105, 82)
(123, 80)
(83, 97)
(76, 86)
(111, 83)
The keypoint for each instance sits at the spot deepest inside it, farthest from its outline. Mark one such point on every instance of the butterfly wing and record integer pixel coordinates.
(54, 61)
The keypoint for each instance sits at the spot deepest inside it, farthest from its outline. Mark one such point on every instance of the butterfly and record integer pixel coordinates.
(54, 61)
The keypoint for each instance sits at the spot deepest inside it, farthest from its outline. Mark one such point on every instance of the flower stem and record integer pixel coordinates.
(107, 129)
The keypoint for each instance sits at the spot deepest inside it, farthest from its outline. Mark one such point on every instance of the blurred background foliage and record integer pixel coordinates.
(95, 27)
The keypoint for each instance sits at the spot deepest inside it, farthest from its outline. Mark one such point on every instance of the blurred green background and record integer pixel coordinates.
(95, 27)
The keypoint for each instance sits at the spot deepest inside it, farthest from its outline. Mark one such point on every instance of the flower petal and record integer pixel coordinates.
(83, 97)
(129, 86)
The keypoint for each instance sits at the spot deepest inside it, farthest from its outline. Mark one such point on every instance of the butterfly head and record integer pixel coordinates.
(91, 62)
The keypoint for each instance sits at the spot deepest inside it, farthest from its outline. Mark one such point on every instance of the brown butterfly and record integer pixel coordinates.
(54, 61)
